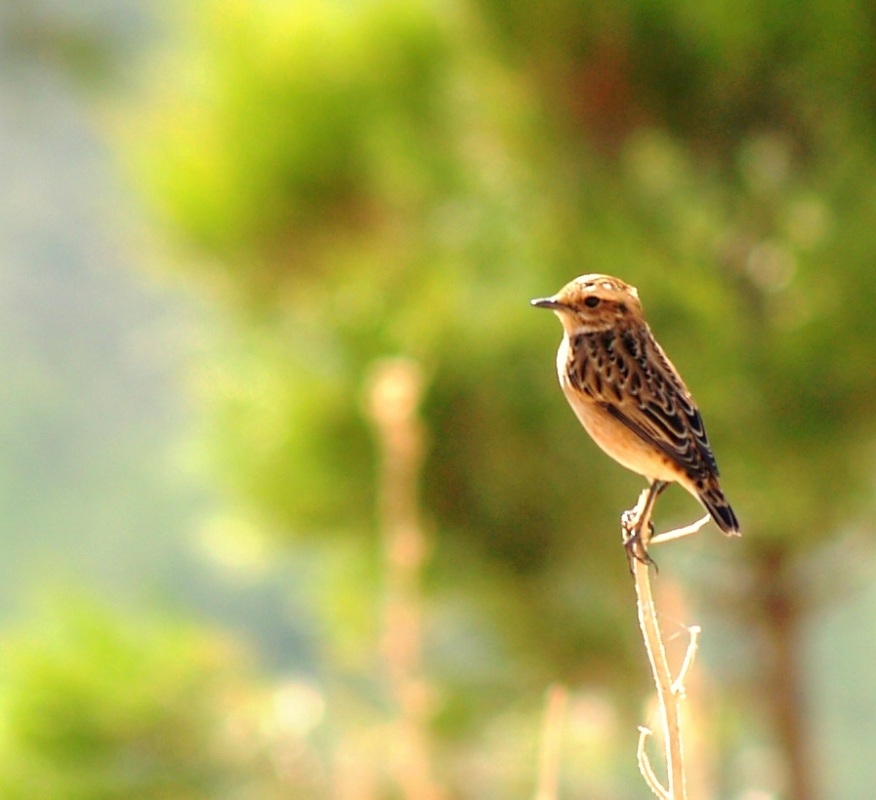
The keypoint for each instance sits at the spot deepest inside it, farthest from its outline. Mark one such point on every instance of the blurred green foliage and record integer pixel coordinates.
(101, 705)
(353, 180)
(385, 177)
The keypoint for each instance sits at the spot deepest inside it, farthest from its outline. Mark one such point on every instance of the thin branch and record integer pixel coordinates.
(645, 765)
(662, 681)
(689, 657)
(678, 533)
(636, 526)
(551, 740)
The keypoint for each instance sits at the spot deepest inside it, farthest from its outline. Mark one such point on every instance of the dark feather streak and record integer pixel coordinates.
(669, 420)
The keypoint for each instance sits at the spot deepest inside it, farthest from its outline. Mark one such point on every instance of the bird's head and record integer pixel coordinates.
(593, 303)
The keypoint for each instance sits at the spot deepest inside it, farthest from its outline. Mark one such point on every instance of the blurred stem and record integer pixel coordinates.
(393, 399)
(551, 741)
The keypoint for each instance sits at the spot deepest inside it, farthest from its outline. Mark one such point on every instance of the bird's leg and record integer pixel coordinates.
(632, 521)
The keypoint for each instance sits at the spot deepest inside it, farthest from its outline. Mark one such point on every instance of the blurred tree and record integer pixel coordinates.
(400, 177)
(424, 238)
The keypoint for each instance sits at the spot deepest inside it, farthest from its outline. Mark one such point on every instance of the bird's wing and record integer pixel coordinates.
(629, 375)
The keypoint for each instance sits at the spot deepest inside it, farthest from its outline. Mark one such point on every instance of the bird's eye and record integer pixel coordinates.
(591, 301)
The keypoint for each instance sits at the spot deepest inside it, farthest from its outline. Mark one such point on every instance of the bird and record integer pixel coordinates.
(629, 396)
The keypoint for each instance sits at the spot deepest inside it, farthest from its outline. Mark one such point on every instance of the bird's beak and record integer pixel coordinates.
(546, 302)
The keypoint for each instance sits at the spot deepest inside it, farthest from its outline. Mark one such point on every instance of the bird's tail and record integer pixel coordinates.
(716, 504)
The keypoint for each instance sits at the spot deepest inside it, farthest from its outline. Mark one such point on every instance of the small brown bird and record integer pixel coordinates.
(628, 395)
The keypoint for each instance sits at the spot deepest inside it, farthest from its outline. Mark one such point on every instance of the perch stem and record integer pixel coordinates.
(638, 524)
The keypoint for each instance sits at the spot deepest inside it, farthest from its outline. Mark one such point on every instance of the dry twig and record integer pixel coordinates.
(637, 526)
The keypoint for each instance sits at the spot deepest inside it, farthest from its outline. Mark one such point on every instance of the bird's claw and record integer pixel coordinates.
(633, 541)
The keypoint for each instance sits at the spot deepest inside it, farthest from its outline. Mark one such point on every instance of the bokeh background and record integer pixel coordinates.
(291, 503)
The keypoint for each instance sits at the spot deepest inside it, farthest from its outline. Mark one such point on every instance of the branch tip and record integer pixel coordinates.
(645, 766)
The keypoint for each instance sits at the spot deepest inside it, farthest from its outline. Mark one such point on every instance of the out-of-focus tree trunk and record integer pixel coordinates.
(783, 613)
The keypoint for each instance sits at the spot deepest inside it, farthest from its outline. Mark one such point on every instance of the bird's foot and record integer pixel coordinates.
(634, 543)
